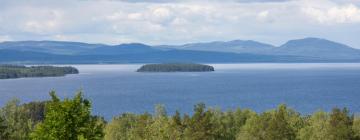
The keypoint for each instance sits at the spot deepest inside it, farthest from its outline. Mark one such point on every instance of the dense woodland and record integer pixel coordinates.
(15, 71)
(71, 119)
(175, 67)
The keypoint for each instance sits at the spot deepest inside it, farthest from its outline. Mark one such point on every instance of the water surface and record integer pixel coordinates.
(115, 89)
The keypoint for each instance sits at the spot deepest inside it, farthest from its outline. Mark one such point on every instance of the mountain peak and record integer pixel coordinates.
(317, 47)
(314, 43)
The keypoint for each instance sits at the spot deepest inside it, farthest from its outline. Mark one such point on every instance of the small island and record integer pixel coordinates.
(18, 71)
(175, 67)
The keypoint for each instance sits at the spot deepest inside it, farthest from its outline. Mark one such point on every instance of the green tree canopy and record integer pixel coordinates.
(340, 125)
(69, 119)
(3, 127)
(19, 123)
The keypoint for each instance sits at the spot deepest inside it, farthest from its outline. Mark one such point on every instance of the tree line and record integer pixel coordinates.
(15, 71)
(71, 119)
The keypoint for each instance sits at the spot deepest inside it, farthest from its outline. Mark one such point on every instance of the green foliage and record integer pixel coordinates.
(35, 111)
(213, 124)
(356, 128)
(199, 126)
(121, 127)
(3, 127)
(337, 125)
(20, 119)
(340, 125)
(280, 124)
(13, 71)
(316, 128)
(205, 123)
(175, 67)
(69, 120)
(254, 128)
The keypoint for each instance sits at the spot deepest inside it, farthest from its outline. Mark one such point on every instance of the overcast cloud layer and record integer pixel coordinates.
(179, 21)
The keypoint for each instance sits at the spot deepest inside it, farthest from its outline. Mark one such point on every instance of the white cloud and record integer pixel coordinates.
(40, 27)
(30, 19)
(135, 16)
(5, 38)
(161, 15)
(175, 1)
(168, 22)
(348, 13)
(61, 37)
(180, 21)
(115, 16)
(263, 16)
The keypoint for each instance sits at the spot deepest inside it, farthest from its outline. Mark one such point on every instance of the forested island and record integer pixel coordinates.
(71, 119)
(175, 67)
(18, 71)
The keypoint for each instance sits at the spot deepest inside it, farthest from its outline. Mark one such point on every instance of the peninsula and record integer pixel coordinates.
(19, 71)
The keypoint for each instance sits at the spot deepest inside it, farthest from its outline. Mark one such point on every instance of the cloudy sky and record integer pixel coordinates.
(179, 21)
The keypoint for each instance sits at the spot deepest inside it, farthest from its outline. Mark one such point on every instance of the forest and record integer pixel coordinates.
(175, 67)
(19, 71)
(71, 119)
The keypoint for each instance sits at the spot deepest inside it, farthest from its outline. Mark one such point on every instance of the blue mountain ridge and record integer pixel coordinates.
(236, 51)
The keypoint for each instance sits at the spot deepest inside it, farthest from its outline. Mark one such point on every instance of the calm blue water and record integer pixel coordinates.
(116, 89)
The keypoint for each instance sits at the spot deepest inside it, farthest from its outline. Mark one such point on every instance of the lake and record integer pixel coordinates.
(115, 89)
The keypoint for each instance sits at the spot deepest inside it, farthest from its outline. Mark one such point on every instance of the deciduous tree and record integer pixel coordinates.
(69, 119)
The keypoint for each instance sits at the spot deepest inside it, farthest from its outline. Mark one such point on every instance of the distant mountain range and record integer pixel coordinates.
(235, 46)
(236, 51)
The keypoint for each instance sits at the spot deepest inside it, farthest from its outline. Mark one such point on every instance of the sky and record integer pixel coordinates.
(174, 22)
